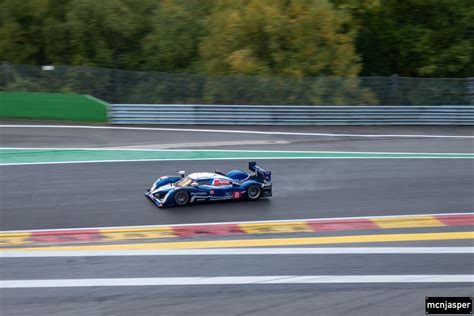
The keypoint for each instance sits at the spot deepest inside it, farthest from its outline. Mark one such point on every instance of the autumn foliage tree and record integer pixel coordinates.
(418, 38)
(297, 38)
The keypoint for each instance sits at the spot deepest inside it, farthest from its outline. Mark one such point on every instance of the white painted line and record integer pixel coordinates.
(200, 159)
(235, 131)
(244, 222)
(196, 145)
(236, 150)
(240, 251)
(233, 280)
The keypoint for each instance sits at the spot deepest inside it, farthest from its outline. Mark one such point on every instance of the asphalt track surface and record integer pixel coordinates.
(128, 138)
(248, 299)
(111, 194)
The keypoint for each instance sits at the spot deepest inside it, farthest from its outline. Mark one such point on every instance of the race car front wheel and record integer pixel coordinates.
(181, 198)
(253, 192)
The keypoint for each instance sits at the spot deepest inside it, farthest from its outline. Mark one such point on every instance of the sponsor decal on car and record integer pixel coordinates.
(220, 182)
(211, 192)
(198, 193)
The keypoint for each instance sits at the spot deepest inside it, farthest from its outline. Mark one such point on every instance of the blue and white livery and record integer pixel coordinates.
(211, 186)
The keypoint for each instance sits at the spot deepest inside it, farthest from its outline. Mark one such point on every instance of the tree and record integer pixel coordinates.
(21, 31)
(80, 32)
(178, 27)
(419, 38)
(284, 37)
(105, 33)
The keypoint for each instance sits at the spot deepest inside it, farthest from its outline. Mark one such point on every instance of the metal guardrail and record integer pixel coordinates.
(196, 114)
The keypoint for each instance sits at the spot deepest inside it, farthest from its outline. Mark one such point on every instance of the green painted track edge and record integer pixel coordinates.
(25, 156)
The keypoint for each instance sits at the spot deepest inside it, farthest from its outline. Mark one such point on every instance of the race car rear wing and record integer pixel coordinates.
(262, 174)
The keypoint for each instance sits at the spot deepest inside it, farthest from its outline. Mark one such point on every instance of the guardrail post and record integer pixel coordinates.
(5, 72)
(394, 90)
(470, 86)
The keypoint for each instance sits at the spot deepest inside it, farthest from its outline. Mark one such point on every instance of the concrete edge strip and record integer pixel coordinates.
(235, 280)
(235, 131)
(227, 229)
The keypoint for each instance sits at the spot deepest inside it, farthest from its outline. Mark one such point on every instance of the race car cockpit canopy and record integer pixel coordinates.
(184, 182)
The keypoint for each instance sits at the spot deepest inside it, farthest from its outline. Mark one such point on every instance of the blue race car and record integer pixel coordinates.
(211, 186)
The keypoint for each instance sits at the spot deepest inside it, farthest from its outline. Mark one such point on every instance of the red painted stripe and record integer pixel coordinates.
(348, 224)
(66, 236)
(203, 230)
(456, 220)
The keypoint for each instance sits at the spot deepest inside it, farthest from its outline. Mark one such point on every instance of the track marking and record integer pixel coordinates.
(232, 151)
(276, 228)
(239, 243)
(199, 144)
(242, 251)
(21, 233)
(408, 221)
(235, 280)
(203, 159)
(41, 156)
(236, 131)
(94, 235)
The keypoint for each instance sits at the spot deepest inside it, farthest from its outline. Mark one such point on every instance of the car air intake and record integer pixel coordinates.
(160, 195)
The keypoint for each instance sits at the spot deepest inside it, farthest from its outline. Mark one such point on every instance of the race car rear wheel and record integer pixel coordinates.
(254, 192)
(181, 198)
